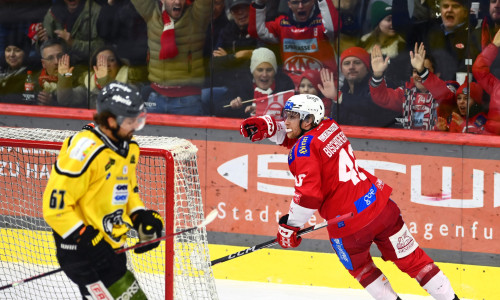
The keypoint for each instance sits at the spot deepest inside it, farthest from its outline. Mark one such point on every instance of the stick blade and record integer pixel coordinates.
(210, 217)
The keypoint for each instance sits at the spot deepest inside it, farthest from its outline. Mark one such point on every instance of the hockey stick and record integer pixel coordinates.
(210, 217)
(274, 242)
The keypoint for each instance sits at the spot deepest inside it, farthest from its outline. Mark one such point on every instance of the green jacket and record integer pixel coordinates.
(131, 75)
(79, 51)
(186, 69)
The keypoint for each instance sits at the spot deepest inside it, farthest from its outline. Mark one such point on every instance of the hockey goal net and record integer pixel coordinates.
(168, 179)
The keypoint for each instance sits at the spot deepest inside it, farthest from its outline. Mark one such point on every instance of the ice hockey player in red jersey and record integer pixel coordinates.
(328, 179)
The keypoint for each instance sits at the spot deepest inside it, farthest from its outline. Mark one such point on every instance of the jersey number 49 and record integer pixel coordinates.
(348, 168)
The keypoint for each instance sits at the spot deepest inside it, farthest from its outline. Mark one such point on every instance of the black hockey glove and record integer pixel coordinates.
(93, 246)
(148, 224)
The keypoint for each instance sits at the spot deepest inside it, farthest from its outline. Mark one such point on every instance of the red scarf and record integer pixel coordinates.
(168, 46)
(261, 99)
(259, 93)
(44, 77)
(485, 33)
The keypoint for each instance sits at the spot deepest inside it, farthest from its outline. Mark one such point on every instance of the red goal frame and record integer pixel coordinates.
(169, 198)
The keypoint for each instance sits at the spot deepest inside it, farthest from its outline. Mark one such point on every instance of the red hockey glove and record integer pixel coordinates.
(287, 235)
(258, 128)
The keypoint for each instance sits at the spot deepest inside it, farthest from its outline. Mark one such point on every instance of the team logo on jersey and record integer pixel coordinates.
(132, 159)
(304, 146)
(112, 220)
(300, 63)
(82, 149)
(125, 170)
(109, 164)
(120, 194)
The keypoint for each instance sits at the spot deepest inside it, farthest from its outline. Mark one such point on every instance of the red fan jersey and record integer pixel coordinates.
(328, 178)
(303, 46)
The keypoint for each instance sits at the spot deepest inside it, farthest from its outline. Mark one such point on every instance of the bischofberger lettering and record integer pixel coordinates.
(326, 134)
(335, 144)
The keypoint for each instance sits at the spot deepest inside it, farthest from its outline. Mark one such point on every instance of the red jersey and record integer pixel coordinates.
(490, 84)
(327, 178)
(303, 46)
(420, 109)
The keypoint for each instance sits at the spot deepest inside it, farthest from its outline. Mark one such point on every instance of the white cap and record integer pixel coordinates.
(261, 55)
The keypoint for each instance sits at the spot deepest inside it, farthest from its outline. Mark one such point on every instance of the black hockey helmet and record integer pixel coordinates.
(123, 101)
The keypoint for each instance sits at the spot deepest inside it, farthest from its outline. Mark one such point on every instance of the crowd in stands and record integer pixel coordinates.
(412, 64)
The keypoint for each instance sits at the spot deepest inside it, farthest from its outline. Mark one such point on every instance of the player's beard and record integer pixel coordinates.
(122, 136)
(126, 137)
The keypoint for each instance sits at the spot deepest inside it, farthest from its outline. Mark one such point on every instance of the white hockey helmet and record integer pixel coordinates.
(305, 105)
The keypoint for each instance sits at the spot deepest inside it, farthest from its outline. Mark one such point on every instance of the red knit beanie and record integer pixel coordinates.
(356, 52)
(476, 92)
(313, 76)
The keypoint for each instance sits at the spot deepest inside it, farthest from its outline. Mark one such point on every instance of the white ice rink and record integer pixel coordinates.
(244, 290)
(226, 289)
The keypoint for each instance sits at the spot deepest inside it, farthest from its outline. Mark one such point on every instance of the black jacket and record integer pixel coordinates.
(359, 109)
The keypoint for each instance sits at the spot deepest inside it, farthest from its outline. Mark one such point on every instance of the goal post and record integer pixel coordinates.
(168, 182)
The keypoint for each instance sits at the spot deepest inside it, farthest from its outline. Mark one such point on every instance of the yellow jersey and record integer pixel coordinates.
(93, 182)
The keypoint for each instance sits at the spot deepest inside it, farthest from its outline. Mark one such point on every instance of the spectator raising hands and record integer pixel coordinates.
(75, 22)
(421, 99)
(304, 35)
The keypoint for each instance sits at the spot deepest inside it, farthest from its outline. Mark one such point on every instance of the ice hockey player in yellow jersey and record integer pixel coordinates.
(92, 199)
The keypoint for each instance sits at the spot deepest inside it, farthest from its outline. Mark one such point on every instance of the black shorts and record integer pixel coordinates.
(82, 271)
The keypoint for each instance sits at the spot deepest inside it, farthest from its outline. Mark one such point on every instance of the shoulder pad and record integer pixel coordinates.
(82, 149)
